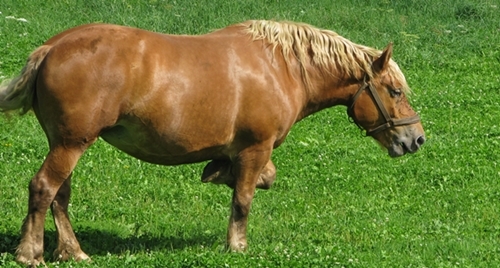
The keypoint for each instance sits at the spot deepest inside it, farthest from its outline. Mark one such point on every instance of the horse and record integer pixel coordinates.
(228, 97)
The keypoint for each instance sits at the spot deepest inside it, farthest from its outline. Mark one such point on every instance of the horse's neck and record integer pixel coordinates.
(328, 92)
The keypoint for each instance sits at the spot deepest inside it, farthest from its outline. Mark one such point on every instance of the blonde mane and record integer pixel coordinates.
(324, 49)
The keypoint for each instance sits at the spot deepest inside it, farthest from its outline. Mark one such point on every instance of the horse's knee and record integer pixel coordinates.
(218, 172)
(267, 176)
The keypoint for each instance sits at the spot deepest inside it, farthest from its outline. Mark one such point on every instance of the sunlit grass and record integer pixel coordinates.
(338, 200)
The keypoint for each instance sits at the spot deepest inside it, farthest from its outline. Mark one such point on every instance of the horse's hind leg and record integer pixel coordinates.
(67, 244)
(43, 188)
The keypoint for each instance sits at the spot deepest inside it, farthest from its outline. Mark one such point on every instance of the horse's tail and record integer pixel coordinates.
(18, 93)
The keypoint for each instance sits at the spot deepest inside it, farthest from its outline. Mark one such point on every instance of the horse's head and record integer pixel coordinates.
(381, 108)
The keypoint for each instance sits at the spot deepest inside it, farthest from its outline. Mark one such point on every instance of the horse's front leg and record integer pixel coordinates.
(247, 168)
(267, 176)
(42, 189)
(67, 245)
(220, 172)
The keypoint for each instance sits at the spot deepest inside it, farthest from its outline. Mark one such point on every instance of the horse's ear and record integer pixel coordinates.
(382, 62)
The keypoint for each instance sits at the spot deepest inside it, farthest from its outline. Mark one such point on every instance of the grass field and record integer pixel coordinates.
(339, 201)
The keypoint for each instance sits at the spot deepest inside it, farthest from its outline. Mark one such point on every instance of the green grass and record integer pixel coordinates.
(338, 200)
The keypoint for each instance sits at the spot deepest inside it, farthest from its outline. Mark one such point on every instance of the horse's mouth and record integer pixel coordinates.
(400, 149)
(407, 149)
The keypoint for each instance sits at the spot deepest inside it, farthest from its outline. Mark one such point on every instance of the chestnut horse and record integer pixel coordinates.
(230, 96)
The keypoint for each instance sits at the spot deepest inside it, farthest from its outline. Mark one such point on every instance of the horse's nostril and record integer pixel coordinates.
(420, 141)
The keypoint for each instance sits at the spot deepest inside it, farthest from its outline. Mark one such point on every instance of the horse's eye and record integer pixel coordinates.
(395, 93)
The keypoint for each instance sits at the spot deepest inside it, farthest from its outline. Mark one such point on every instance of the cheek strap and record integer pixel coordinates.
(389, 122)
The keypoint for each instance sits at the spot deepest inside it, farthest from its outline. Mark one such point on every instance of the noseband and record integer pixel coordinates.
(389, 122)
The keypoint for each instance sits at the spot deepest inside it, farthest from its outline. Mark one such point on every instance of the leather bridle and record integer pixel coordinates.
(389, 122)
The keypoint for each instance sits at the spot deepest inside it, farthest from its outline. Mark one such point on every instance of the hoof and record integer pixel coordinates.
(65, 255)
(30, 262)
(238, 247)
(26, 256)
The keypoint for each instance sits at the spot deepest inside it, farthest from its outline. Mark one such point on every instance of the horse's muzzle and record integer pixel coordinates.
(404, 146)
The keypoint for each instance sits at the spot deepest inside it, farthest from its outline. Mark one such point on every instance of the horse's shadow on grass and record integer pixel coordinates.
(98, 242)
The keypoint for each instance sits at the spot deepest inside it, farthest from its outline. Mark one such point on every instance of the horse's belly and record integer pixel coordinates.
(153, 148)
